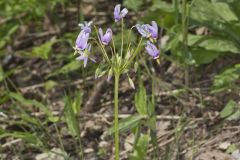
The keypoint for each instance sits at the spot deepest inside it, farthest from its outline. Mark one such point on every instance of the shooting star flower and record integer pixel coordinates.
(84, 55)
(152, 50)
(118, 13)
(106, 38)
(82, 39)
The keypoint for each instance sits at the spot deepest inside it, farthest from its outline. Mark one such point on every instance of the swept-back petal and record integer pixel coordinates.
(124, 12)
(117, 12)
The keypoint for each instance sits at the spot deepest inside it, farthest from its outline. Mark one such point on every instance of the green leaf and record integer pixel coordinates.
(210, 14)
(43, 51)
(69, 67)
(127, 123)
(28, 137)
(203, 56)
(5, 74)
(141, 100)
(6, 32)
(152, 123)
(141, 148)
(77, 102)
(206, 12)
(226, 80)
(228, 109)
(71, 118)
(28, 102)
(231, 148)
(50, 85)
(212, 43)
(235, 115)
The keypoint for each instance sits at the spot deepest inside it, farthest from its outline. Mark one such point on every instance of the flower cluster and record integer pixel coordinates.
(146, 30)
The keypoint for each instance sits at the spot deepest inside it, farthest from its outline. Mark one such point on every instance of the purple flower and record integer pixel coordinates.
(118, 14)
(152, 50)
(82, 39)
(153, 29)
(147, 30)
(84, 56)
(86, 26)
(106, 38)
(143, 30)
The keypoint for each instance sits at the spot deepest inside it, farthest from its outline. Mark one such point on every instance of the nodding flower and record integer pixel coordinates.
(152, 50)
(153, 29)
(84, 55)
(118, 13)
(86, 26)
(82, 40)
(143, 30)
(106, 38)
(147, 30)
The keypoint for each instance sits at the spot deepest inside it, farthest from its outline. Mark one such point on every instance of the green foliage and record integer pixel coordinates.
(70, 113)
(16, 12)
(162, 13)
(221, 17)
(140, 150)
(69, 67)
(26, 136)
(231, 148)
(28, 102)
(231, 111)
(133, 4)
(5, 74)
(228, 109)
(141, 100)
(6, 31)
(226, 80)
(42, 51)
(128, 123)
(34, 8)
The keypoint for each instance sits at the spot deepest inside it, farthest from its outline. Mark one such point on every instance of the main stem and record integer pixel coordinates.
(185, 40)
(116, 133)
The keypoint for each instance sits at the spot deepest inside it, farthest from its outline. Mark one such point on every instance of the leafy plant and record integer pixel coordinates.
(228, 79)
(231, 111)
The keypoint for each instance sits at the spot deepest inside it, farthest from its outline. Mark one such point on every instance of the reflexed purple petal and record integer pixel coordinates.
(82, 39)
(124, 12)
(100, 32)
(80, 58)
(153, 29)
(83, 58)
(87, 29)
(89, 47)
(106, 38)
(143, 30)
(154, 25)
(149, 50)
(152, 50)
(86, 26)
(117, 16)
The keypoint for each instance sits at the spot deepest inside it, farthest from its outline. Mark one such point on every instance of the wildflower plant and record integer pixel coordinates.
(115, 61)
